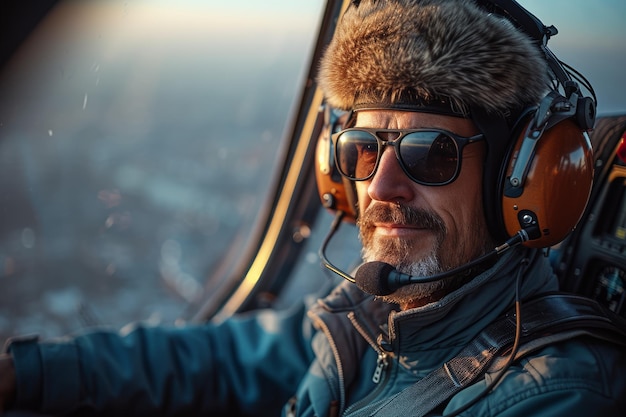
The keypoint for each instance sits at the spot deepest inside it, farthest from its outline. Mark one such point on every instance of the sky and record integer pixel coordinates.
(592, 38)
(592, 34)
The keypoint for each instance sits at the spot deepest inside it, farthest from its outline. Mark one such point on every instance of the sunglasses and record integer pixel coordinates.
(427, 156)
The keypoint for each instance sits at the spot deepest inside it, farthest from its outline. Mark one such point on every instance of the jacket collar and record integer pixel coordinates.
(437, 331)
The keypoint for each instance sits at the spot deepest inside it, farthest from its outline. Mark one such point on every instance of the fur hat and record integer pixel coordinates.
(425, 53)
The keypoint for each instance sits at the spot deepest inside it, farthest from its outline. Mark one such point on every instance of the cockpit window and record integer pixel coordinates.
(138, 142)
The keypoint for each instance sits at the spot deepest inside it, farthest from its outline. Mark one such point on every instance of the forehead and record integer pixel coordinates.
(397, 119)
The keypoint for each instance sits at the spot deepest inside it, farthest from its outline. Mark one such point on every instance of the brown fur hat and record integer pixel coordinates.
(423, 52)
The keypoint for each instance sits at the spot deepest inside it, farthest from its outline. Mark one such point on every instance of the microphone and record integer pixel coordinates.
(380, 278)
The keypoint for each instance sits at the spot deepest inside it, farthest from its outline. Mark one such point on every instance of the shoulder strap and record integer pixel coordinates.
(545, 320)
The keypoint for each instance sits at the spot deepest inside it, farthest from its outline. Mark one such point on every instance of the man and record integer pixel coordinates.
(418, 76)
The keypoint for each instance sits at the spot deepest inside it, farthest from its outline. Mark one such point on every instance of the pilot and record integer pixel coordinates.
(435, 90)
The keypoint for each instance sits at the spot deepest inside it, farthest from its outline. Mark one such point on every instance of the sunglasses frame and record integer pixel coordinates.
(459, 141)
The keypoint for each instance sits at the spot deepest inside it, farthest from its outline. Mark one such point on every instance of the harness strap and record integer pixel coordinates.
(546, 320)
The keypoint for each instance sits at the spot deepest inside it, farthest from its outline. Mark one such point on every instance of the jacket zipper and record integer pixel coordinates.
(381, 361)
(381, 365)
(381, 373)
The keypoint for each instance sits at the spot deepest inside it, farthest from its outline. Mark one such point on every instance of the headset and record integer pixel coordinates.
(539, 180)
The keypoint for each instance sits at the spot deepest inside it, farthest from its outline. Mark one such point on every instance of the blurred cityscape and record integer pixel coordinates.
(137, 141)
(131, 158)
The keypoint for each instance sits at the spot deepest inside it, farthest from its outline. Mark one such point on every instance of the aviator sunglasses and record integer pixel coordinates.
(427, 156)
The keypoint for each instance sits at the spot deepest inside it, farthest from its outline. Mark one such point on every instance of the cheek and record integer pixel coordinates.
(467, 190)
(464, 200)
(463, 212)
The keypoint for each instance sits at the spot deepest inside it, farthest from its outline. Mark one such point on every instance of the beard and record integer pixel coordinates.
(400, 252)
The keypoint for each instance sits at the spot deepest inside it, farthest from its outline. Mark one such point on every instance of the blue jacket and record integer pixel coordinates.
(330, 358)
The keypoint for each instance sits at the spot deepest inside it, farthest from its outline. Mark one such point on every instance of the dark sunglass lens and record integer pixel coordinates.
(430, 157)
(357, 152)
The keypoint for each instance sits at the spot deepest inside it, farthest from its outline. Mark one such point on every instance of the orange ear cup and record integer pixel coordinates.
(331, 186)
(557, 187)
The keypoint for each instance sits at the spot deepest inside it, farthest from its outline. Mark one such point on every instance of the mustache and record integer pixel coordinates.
(403, 215)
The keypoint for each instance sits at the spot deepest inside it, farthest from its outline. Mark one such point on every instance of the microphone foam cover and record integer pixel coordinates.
(373, 278)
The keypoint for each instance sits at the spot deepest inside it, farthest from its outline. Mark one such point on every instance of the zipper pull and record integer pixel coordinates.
(381, 364)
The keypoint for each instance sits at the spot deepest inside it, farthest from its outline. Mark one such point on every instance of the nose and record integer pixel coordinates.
(390, 183)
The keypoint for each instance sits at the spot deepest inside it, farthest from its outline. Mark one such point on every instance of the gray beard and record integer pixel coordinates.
(413, 293)
(396, 252)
